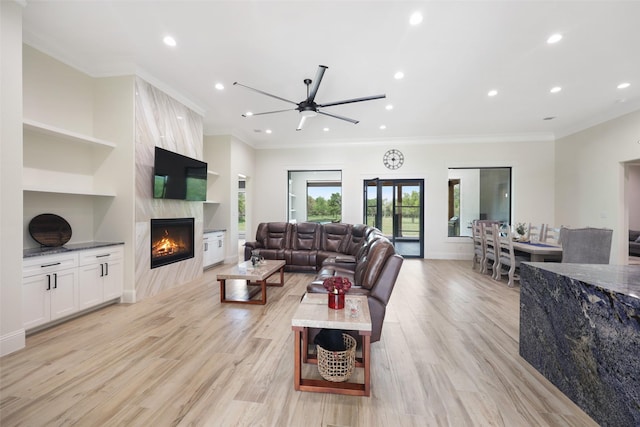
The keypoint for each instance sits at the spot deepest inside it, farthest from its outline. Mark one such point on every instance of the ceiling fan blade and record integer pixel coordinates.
(268, 112)
(316, 82)
(265, 93)
(349, 101)
(302, 119)
(335, 116)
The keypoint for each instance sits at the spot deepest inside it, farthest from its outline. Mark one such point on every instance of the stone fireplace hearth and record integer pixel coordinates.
(171, 240)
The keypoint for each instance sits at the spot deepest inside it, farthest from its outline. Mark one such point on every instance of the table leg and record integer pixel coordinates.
(366, 357)
(223, 290)
(297, 363)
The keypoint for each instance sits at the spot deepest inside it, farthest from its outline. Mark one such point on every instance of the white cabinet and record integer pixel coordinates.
(101, 276)
(213, 248)
(50, 289)
(60, 285)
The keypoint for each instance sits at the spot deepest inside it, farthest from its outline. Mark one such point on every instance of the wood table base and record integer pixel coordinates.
(300, 354)
(263, 290)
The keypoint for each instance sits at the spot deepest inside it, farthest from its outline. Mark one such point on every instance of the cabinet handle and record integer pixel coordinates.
(206, 247)
(48, 282)
(101, 270)
(50, 265)
(102, 256)
(219, 243)
(106, 268)
(55, 280)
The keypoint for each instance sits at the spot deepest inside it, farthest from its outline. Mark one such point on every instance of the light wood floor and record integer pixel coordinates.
(448, 356)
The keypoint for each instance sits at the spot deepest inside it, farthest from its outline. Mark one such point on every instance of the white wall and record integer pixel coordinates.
(590, 181)
(633, 192)
(533, 180)
(12, 336)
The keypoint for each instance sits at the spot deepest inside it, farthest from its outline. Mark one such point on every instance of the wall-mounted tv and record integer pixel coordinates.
(179, 177)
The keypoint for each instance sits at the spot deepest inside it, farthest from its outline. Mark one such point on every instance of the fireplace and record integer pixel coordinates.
(171, 241)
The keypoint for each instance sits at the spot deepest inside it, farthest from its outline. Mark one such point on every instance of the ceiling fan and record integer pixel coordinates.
(308, 107)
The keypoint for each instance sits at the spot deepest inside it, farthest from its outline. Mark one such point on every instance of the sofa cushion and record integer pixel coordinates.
(380, 250)
(276, 235)
(634, 235)
(305, 236)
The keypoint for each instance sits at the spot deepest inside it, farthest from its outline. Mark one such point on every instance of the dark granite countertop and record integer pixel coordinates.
(45, 250)
(622, 279)
(213, 230)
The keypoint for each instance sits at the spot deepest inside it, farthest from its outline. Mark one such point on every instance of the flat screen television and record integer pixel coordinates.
(179, 177)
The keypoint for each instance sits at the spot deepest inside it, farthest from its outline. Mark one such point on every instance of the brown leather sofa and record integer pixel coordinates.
(373, 274)
(356, 251)
(306, 246)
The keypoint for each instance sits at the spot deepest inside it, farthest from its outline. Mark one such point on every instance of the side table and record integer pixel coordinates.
(313, 312)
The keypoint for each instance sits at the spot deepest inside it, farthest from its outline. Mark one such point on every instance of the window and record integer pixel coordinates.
(315, 196)
(478, 193)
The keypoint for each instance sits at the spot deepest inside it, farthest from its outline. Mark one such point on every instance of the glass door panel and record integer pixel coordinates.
(395, 207)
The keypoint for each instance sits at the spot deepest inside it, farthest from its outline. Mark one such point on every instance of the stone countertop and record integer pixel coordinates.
(214, 230)
(46, 250)
(622, 279)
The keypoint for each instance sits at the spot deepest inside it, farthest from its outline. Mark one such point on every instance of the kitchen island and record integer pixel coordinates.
(580, 328)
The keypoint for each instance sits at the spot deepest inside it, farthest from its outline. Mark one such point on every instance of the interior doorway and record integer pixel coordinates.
(396, 207)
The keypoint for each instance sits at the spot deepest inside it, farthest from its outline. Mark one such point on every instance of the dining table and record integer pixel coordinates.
(540, 252)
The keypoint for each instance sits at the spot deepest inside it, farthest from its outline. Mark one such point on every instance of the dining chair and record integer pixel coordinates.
(508, 263)
(586, 245)
(534, 233)
(490, 258)
(550, 235)
(478, 245)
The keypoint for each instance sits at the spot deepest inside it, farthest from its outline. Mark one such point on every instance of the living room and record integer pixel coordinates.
(579, 179)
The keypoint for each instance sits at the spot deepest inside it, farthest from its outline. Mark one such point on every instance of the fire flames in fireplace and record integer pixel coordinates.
(167, 246)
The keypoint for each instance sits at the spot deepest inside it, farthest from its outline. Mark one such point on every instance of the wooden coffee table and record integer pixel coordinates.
(254, 276)
(313, 312)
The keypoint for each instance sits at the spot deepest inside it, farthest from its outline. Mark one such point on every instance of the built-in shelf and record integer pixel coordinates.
(46, 129)
(213, 173)
(68, 191)
(211, 202)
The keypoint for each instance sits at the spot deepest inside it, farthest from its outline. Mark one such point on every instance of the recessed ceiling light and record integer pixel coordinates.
(248, 114)
(555, 89)
(382, 127)
(554, 38)
(416, 18)
(624, 85)
(389, 107)
(219, 86)
(325, 129)
(169, 41)
(268, 131)
(179, 117)
(492, 92)
(399, 75)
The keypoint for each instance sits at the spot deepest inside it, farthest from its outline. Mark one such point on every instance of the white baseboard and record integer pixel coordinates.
(12, 341)
(129, 297)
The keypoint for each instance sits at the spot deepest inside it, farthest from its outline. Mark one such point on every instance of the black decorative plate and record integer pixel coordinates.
(50, 230)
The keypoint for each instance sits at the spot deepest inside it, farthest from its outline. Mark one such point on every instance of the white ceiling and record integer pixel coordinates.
(451, 60)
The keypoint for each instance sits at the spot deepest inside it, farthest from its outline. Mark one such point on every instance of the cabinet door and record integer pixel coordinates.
(218, 248)
(64, 293)
(90, 290)
(36, 301)
(112, 280)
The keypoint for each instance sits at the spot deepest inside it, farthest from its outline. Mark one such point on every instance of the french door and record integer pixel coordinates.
(396, 207)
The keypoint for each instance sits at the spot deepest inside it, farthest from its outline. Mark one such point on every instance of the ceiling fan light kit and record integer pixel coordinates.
(308, 107)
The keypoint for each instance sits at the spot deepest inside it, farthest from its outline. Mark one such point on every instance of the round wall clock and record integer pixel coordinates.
(393, 159)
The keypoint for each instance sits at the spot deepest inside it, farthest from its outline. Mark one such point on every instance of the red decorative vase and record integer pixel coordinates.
(336, 301)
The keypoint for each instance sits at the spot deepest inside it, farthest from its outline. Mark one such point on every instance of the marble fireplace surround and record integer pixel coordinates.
(164, 122)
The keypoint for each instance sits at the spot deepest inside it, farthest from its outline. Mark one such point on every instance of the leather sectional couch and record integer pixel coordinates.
(359, 252)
